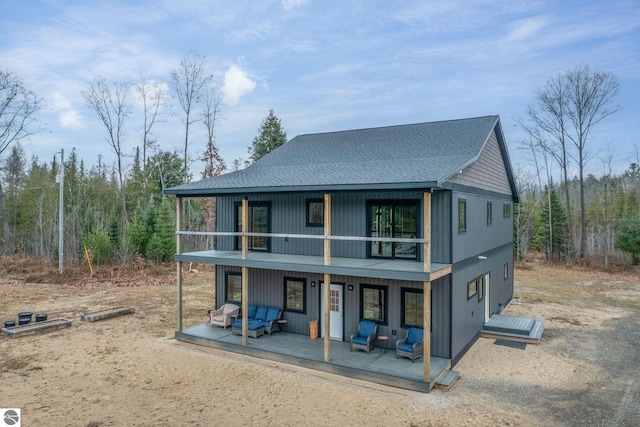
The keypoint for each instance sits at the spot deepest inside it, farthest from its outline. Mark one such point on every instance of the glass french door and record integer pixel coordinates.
(393, 220)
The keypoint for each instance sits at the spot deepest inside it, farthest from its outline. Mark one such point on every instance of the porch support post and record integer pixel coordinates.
(426, 356)
(327, 277)
(426, 250)
(245, 271)
(179, 263)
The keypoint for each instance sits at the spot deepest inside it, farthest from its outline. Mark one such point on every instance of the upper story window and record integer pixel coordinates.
(393, 219)
(315, 213)
(506, 210)
(259, 222)
(462, 215)
(489, 213)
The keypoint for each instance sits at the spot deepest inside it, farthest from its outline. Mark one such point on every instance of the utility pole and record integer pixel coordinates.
(61, 214)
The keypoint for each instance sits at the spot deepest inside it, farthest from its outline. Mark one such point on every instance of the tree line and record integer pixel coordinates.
(597, 213)
(116, 211)
(119, 211)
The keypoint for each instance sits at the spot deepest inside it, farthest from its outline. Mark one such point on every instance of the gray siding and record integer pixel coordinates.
(349, 218)
(266, 288)
(479, 236)
(468, 314)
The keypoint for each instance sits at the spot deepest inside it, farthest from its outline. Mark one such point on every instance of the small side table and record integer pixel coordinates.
(383, 342)
(282, 325)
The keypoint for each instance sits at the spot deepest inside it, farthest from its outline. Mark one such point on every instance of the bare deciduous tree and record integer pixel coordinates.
(113, 109)
(568, 107)
(589, 96)
(17, 110)
(189, 81)
(153, 97)
(214, 164)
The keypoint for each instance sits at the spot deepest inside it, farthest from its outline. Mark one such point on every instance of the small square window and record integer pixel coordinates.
(489, 213)
(315, 213)
(472, 288)
(295, 292)
(506, 210)
(462, 215)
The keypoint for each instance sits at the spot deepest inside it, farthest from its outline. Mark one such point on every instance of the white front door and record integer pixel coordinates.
(336, 312)
(487, 306)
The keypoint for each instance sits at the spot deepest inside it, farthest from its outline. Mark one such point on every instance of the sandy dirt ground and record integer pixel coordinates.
(131, 371)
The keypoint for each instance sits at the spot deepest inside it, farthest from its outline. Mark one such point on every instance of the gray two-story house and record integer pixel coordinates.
(408, 225)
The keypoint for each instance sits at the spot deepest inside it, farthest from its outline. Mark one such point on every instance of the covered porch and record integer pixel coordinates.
(380, 366)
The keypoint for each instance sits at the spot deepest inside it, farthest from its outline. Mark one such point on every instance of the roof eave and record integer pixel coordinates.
(211, 192)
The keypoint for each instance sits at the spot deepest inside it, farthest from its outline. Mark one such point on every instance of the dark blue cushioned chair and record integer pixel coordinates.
(365, 338)
(412, 346)
(271, 316)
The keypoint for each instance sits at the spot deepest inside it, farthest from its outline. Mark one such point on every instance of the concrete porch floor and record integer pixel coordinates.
(380, 366)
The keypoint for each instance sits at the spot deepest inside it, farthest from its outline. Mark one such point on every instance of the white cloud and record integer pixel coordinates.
(236, 84)
(59, 102)
(290, 4)
(71, 119)
(526, 28)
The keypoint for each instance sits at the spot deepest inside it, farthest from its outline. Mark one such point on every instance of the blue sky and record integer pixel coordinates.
(321, 65)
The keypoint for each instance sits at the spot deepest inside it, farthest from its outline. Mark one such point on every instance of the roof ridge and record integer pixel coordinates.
(397, 126)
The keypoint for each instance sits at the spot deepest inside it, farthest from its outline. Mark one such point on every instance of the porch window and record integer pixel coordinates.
(259, 222)
(373, 300)
(393, 219)
(233, 286)
(412, 307)
(480, 288)
(315, 213)
(462, 215)
(295, 292)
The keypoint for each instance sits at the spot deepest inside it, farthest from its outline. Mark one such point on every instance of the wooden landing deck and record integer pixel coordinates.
(106, 314)
(513, 328)
(36, 328)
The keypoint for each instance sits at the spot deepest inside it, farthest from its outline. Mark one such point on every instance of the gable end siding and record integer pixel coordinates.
(488, 172)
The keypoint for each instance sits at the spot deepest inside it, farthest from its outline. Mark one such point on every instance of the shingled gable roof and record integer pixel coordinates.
(423, 155)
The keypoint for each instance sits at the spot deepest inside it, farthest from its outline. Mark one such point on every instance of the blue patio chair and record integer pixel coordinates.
(412, 346)
(365, 338)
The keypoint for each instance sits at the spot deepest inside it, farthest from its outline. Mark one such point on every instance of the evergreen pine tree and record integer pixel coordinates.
(553, 232)
(271, 136)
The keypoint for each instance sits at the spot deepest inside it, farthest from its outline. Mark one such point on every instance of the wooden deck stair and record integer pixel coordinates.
(446, 380)
(513, 328)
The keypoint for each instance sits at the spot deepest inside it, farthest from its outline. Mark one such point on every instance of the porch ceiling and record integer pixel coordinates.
(371, 267)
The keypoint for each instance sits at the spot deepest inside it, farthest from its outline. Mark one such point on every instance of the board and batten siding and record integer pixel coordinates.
(467, 314)
(349, 218)
(266, 287)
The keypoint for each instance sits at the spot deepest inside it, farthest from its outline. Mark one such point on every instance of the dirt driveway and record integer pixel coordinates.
(130, 370)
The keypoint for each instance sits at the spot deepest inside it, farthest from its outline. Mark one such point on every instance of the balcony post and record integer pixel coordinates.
(426, 249)
(245, 271)
(327, 278)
